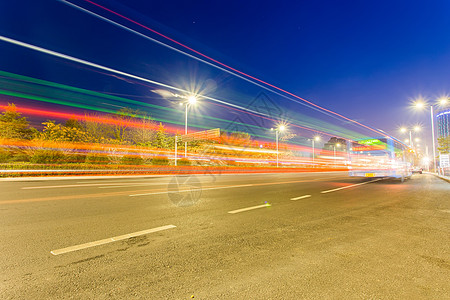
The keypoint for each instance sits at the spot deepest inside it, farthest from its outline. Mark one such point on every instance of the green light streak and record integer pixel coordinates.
(27, 91)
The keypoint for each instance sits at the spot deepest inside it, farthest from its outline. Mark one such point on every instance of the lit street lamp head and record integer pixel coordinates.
(192, 99)
(419, 105)
(443, 101)
(403, 129)
(281, 128)
(317, 138)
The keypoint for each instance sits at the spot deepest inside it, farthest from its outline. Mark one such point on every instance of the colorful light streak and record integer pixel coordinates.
(97, 66)
(40, 84)
(84, 62)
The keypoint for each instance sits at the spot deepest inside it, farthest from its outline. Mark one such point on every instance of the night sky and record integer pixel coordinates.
(366, 60)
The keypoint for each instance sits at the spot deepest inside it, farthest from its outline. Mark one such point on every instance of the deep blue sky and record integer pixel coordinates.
(363, 59)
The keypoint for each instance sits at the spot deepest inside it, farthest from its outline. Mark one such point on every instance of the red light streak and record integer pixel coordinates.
(105, 120)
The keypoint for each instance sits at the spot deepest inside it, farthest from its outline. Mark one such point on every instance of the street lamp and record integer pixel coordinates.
(315, 139)
(421, 105)
(191, 100)
(443, 101)
(334, 151)
(278, 129)
(414, 128)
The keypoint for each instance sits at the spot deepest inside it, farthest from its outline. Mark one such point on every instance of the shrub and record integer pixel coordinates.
(184, 162)
(5, 156)
(160, 161)
(96, 158)
(76, 158)
(132, 160)
(20, 157)
(47, 157)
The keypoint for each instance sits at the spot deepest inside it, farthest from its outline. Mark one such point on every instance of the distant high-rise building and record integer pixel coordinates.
(443, 123)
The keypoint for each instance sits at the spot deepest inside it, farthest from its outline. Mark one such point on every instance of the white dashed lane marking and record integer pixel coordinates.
(248, 208)
(301, 197)
(109, 240)
(349, 186)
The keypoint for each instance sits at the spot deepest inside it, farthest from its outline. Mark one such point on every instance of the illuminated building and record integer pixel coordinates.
(443, 124)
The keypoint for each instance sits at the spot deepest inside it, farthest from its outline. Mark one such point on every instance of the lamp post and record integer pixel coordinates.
(190, 101)
(316, 138)
(432, 136)
(278, 129)
(415, 128)
(421, 105)
(334, 151)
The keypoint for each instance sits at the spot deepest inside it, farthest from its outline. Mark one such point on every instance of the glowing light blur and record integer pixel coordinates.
(192, 99)
(419, 105)
(443, 101)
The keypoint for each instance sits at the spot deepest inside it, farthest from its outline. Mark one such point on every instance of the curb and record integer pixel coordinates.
(445, 178)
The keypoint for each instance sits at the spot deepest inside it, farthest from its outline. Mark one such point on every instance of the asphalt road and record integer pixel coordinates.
(259, 236)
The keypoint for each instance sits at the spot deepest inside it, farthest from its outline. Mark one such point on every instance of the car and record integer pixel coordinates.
(416, 170)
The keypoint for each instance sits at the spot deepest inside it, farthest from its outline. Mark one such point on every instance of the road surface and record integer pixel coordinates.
(258, 236)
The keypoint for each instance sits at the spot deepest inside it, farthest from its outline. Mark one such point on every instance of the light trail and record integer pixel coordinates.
(97, 66)
(84, 62)
(220, 63)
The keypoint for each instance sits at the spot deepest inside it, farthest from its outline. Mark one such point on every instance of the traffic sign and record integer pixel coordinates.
(444, 160)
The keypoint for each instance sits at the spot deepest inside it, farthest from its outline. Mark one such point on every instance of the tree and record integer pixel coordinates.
(73, 123)
(99, 131)
(144, 133)
(124, 119)
(335, 143)
(59, 133)
(240, 135)
(444, 144)
(13, 126)
(161, 139)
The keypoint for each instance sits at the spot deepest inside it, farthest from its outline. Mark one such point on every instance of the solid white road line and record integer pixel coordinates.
(65, 186)
(133, 184)
(109, 240)
(301, 197)
(248, 208)
(349, 186)
(119, 181)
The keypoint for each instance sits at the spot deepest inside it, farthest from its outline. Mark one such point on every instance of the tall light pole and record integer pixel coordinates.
(190, 101)
(432, 136)
(316, 138)
(421, 105)
(415, 128)
(334, 151)
(278, 129)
